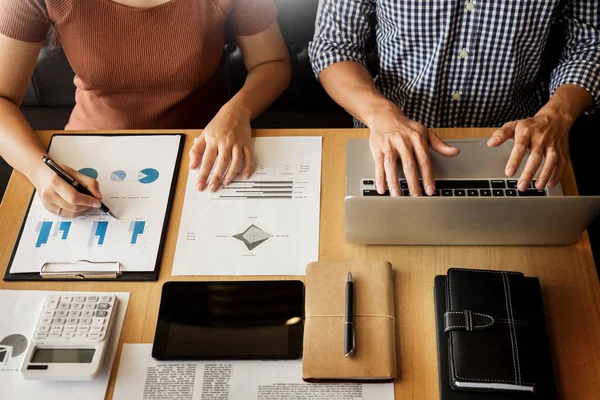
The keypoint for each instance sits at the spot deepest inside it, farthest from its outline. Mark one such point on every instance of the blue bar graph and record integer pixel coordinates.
(65, 226)
(98, 230)
(136, 228)
(43, 229)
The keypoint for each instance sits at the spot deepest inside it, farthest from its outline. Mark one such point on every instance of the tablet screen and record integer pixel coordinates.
(230, 320)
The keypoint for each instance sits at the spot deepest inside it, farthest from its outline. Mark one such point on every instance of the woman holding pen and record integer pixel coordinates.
(141, 64)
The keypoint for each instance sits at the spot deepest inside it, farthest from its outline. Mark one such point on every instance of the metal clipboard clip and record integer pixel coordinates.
(46, 271)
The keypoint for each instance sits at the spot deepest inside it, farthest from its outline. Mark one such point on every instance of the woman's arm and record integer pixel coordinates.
(19, 145)
(226, 140)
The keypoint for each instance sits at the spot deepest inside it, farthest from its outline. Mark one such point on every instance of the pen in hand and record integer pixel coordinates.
(64, 175)
(349, 331)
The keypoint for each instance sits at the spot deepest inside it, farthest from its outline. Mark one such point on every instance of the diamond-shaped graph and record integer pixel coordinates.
(253, 237)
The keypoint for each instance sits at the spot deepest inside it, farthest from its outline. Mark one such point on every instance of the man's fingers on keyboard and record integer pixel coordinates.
(391, 172)
(425, 166)
(409, 168)
(550, 163)
(503, 134)
(379, 174)
(533, 163)
(558, 171)
(518, 152)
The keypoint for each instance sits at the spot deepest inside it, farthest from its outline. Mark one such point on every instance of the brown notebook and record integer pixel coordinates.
(375, 357)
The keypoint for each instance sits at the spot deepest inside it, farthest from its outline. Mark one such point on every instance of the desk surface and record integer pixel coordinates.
(567, 274)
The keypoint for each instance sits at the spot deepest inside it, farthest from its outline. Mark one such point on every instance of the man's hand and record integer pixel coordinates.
(546, 135)
(224, 144)
(393, 135)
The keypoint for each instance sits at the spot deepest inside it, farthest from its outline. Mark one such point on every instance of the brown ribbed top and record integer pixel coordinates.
(140, 68)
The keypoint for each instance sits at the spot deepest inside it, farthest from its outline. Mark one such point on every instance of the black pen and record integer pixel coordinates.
(71, 181)
(349, 333)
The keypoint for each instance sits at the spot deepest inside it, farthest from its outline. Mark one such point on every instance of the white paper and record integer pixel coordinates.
(143, 378)
(19, 312)
(266, 225)
(135, 175)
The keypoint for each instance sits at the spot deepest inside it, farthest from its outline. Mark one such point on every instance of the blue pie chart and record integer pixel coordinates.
(118, 176)
(151, 175)
(91, 172)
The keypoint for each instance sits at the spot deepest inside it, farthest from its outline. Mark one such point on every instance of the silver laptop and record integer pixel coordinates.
(475, 203)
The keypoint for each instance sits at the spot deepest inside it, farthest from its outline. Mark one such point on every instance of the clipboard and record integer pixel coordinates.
(98, 270)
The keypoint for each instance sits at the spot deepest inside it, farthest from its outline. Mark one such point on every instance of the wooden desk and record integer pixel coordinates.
(567, 275)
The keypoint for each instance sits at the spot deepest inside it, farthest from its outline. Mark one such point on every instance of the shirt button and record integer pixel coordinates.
(463, 53)
(470, 6)
(456, 96)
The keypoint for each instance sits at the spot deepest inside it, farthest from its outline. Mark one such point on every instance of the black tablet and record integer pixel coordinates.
(242, 320)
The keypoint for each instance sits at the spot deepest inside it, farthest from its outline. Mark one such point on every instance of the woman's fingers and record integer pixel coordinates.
(197, 151)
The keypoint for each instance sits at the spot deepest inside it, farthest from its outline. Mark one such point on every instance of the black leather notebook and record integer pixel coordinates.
(491, 334)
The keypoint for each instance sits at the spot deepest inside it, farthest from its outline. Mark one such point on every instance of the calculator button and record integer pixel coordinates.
(88, 314)
(68, 335)
(106, 299)
(86, 321)
(49, 313)
(55, 335)
(43, 328)
(62, 313)
(94, 335)
(103, 306)
(101, 313)
(79, 299)
(41, 336)
(97, 328)
(73, 321)
(64, 306)
(57, 328)
(74, 313)
(70, 328)
(60, 321)
(77, 306)
(83, 328)
(90, 306)
(66, 299)
(99, 321)
(52, 303)
(47, 321)
(93, 298)
(81, 334)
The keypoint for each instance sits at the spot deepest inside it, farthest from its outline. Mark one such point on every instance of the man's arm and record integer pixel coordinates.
(338, 58)
(575, 88)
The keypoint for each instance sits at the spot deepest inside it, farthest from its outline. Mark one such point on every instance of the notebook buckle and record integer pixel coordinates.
(466, 320)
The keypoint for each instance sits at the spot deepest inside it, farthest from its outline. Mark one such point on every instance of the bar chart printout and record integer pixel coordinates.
(62, 228)
(98, 231)
(43, 230)
(136, 228)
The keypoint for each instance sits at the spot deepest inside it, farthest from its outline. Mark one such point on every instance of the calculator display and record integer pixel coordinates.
(70, 356)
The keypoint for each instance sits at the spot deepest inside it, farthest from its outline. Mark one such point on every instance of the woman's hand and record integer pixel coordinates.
(60, 198)
(224, 144)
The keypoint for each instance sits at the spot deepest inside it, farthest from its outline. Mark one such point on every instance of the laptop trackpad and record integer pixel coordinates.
(476, 160)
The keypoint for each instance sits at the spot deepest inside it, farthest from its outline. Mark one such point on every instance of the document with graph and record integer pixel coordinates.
(265, 225)
(136, 176)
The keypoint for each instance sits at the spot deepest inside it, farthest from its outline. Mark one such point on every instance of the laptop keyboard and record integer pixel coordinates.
(464, 188)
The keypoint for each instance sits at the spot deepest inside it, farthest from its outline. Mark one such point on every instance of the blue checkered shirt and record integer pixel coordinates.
(451, 63)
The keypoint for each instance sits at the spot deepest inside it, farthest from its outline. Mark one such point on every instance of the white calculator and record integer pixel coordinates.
(71, 337)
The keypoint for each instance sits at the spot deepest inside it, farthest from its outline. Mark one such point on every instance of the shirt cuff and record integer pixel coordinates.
(322, 58)
(581, 73)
